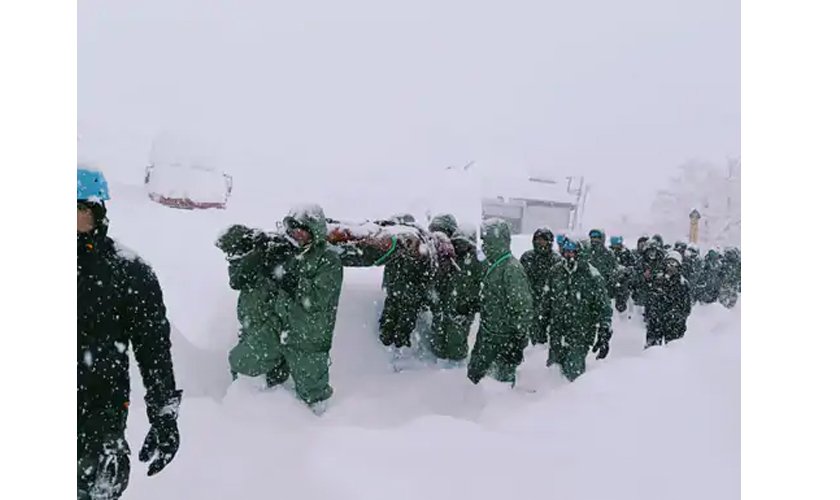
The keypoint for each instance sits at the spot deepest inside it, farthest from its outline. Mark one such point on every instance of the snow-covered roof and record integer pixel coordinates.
(522, 188)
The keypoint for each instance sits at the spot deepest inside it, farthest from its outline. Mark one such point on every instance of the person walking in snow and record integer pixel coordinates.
(407, 280)
(652, 262)
(622, 254)
(692, 266)
(119, 304)
(636, 289)
(641, 243)
(624, 272)
(506, 309)
(669, 303)
(580, 314)
(455, 300)
(288, 311)
(537, 263)
(597, 254)
(730, 277)
(709, 278)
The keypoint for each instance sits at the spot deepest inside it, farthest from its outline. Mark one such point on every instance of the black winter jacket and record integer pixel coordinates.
(119, 303)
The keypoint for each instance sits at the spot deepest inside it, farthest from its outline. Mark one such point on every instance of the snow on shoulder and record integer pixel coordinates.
(127, 253)
(594, 271)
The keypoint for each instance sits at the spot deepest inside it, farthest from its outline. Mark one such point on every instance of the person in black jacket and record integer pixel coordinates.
(119, 303)
(668, 302)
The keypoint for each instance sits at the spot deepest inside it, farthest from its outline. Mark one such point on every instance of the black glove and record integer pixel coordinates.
(236, 240)
(602, 343)
(162, 441)
(621, 306)
(603, 350)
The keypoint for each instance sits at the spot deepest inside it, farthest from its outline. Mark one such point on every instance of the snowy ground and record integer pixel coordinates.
(658, 424)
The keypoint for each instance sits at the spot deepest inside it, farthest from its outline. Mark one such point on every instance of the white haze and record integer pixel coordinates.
(621, 92)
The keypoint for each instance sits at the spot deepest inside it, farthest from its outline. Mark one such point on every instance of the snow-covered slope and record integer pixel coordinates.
(657, 424)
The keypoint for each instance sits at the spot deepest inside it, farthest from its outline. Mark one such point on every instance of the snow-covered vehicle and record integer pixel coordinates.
(182, 174)
(188, 186)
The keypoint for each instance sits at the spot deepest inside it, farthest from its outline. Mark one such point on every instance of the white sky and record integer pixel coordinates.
(620, 91)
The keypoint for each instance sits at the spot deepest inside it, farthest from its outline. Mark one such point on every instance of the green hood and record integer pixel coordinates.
(444, 223)
(495, 238)
(312, 218)
(466, 235)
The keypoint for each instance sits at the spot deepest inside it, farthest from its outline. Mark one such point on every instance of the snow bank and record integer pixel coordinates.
(660, 424)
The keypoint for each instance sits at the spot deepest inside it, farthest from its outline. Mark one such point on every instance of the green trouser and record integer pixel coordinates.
(539, 335)
(498, 355)
(573, 362)
(398, 319)
(310, 372)
(569, 351)
(449, 335)
(262, 354)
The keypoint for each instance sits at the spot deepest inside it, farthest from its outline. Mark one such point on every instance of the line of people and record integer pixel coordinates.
(563, 298)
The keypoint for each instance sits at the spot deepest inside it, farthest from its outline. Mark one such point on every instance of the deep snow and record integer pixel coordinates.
(657, 424)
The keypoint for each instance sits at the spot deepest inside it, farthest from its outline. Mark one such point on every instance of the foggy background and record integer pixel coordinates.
(618, 91)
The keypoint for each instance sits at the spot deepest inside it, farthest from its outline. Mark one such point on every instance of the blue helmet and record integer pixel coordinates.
(616, 241)
(91, 185)
(560, 239)
(569, 246)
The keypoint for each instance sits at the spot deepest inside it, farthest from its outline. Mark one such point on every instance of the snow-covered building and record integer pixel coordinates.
(529, 203)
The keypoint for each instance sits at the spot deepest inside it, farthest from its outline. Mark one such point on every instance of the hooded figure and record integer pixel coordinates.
(455, 300)
(537, 264)
(730, 280)
(288, 316)
(652, 262)
(709, 278)
(506, 308)
(669, 303)
(444, 223)
(119, 304)
(580, 313)
(623, 273)
(407, 280)
(605, 262)
(692, 266)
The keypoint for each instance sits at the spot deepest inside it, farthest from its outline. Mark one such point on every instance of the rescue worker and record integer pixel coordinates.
(669, 303)
(537, 263)
(506, 309)
(119, 305)
(580, 313)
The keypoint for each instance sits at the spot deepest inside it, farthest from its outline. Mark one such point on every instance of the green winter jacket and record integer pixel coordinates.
(506, 302)
(624, 257)
(537, 265)
(313, 278)
(459, 288)
(579, 304)
(455, 302)
(603, 260)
